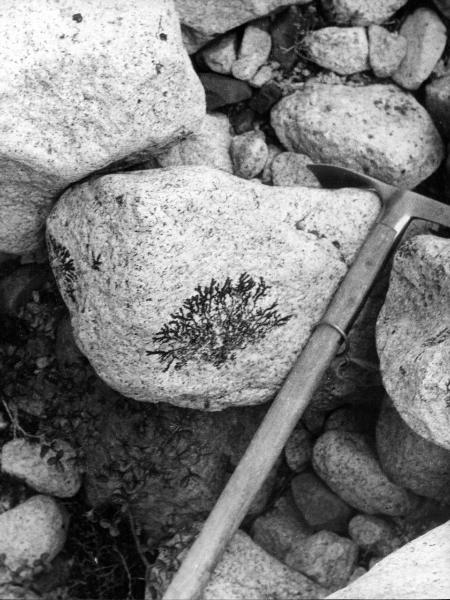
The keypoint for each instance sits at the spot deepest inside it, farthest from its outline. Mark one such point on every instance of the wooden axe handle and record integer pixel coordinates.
(281, 418)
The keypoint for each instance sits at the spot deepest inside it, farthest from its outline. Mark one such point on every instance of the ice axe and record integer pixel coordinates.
(399, 207)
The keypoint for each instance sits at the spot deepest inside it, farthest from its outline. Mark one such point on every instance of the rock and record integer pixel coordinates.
(51, 473)
(66, 108)
(290, 169)
(374, 535)
(16, 289)
(17, 592)
(277, 530)
(386, 50)
(325, 557)
(249, 154)
(361, 12)
(220, 55)
(221, 90)
(267, 96)
(377, 129)
(348, 466)
(357, 573)
(254, 51)
(409, 460)
(417, 570)
(320, 508)
(210, 146)
(36, 527)
(443, 6)
(426, 37)
(298, 449)
(266, 175)
(179, 246)
(437, 101)
(413, 337)
(243, 120)
(263, 76)
(344, 50)
(284, 32)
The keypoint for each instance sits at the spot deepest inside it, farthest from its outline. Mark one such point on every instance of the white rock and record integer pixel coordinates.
(290, 168)
(22, 458)
(362, 12)
(420, 569)
(221, 54)
(386, 50)
(426, 36)
(377, 129)
(249, 154)
(344, 50)
(413, 337)
(35, 527)
(83, 87)
(254, 51)
(210, 146)
(180, 228)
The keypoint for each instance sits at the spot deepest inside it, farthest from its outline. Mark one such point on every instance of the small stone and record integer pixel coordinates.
(344, 50)
(267, 96)
(325, 557)
(298, 449)
(374, 535)
(266, 175)
(437, 101)
(357, 573)
(16, 289)
(349, 467)
(243, 121)
(290, 168)
(361, 12)
(249, 154)
(210, 146)
(284, 32)
(262, 76)
(221, 90)
(254, 51)
(426, 37)
(320, 507)
(386, 50)
(220, 55)
(45, 473)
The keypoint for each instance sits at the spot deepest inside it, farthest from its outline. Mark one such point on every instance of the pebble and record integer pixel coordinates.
(348, 466)
(320, 507)
(298, 449)
(16, 289)
(265, 98)
(374, 535)
(273, 151)
(362, 12)
(426, 37)
(243, 120)
(290, 168)
(249, 154)
(344, 50)
(220, 55)
(263, 75)
(437, 101)
(326, 557)
(221, 90)
(386, 50)
(254, 51)
(23, 459)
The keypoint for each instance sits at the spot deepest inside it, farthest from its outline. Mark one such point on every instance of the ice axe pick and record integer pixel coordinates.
(399, 207)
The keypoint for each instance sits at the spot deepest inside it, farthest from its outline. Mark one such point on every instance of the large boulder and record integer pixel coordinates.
(208, 277)
(413, 337)
(84, 87)
(377, 129)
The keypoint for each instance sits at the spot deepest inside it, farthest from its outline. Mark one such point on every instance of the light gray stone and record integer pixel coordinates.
(221, 54)
(386, 50)
(326, 557)
(374, 535)
(348, 466)
(254, 50)
(344, 50)
(420, 569)
(249, 154)
(413, 337)
(22, 458)
(362, 12)
(209, 146)
(437, 101)
(82, 90)
(290, 168)
(298, 449)
(273, 151)
(426, 37)
(263, 75)
(193, 236)
(377, 129)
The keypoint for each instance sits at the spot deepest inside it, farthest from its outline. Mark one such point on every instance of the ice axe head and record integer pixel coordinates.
(399, 205)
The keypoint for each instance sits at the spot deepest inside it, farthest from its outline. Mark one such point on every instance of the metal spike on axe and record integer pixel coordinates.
(399, 208)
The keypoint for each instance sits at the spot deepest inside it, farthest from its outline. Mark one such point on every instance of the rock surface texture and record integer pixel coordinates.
(82, 90)
(152, 310)
(386, 50)
(362, 12)
(344, 50)
(377, 129)
(413, 337)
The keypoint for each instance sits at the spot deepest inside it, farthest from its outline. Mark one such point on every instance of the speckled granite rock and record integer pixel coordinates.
(348, 466)
(413, 337)
(377, 129)
(219, 56)
(344, 50)
(84, 87)
(386, 50)
(249, 154)
(361, 12)
(289, 168)
(298, 449)
(191, 242)
(254, 50)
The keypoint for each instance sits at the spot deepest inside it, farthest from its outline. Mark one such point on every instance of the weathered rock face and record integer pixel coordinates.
(386, 50)
(81, 90)
(362, 12)
(191, 303)
(413, 337)
(344, 50)
(377, 129)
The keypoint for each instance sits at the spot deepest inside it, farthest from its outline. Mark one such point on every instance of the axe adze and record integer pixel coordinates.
(399, 207)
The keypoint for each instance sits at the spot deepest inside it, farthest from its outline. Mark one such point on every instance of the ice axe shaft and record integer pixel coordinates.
(304, 378)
